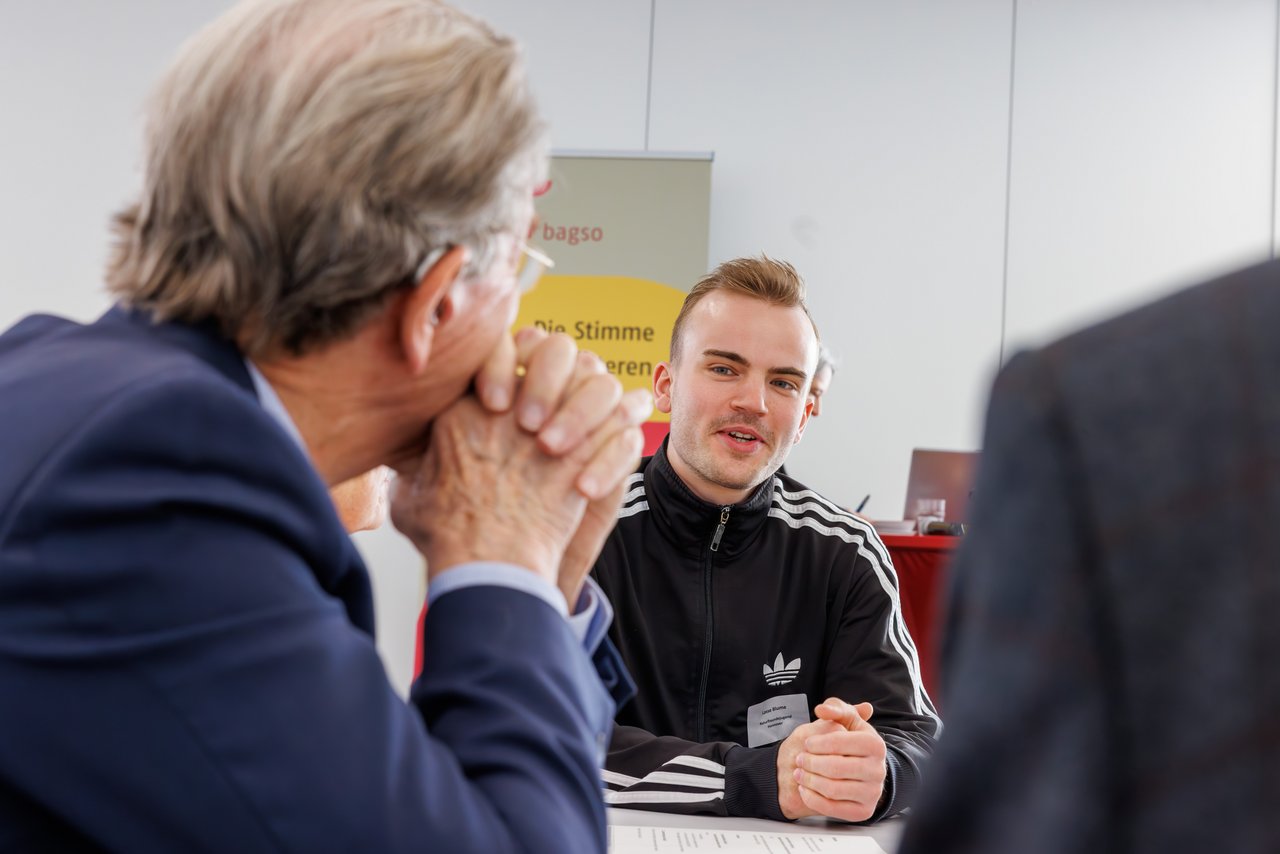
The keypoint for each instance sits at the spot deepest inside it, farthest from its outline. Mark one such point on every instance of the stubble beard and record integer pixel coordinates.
(701, 457)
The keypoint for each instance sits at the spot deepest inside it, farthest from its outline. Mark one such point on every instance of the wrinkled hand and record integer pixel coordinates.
(536, 480)
(565, 393)
(834, 766)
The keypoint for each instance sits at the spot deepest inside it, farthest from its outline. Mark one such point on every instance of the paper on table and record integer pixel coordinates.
(650, 839)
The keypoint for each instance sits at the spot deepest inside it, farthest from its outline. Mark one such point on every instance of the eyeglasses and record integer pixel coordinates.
(533, 263)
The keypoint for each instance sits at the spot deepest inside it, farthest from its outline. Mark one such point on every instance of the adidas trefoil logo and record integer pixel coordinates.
(781, 674)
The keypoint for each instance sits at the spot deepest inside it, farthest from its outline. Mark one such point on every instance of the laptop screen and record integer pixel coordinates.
(941, 474)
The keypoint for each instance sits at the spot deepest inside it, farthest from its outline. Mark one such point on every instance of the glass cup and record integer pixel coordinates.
(929, 510)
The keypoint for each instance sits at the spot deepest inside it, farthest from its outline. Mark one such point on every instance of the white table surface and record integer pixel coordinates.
(886, 833)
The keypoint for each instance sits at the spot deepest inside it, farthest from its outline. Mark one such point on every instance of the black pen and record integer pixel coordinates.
(863, 504)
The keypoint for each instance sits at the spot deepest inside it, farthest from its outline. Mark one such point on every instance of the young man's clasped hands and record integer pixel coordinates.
(833, 766)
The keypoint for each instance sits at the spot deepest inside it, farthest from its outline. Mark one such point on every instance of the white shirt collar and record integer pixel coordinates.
(273, 405)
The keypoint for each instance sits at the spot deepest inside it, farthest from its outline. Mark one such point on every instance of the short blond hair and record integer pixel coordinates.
(305, 156)
(763, 278)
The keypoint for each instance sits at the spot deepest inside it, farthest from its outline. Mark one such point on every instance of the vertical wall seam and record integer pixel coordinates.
(648, 91)
(1008, 184)
(1275, 120)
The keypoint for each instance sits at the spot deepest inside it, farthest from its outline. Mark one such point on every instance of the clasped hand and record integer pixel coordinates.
(527, 471)
(833, 766)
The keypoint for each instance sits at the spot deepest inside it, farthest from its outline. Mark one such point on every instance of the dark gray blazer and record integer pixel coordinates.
(1112, 664)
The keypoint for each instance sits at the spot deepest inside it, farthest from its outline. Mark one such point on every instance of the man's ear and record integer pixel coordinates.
(663, 376)
(804, 418)
(428, 305)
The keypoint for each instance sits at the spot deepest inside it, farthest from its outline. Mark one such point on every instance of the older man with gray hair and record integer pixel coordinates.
(321, 267)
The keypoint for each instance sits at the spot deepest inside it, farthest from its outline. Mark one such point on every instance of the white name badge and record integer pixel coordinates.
(775, 718)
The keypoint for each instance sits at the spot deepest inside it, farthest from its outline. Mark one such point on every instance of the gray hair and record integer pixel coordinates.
(826, 359)
(305, 156)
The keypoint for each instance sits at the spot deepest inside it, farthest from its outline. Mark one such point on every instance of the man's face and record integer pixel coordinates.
(738, 394)
(821, 382)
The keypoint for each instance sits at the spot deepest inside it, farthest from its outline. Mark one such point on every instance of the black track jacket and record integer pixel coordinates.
(735, 622)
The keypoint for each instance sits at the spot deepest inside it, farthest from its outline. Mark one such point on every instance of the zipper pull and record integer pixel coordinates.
(724, 519)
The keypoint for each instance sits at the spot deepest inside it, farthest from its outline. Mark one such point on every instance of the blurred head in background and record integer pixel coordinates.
(821, 379)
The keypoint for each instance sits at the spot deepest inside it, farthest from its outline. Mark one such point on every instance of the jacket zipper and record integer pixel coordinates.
(710, 636)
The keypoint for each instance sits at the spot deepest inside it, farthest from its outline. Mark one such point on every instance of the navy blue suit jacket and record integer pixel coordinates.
(1112, 663)
(186, 650)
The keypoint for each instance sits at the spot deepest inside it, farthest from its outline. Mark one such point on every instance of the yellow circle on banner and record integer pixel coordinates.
(624, 320)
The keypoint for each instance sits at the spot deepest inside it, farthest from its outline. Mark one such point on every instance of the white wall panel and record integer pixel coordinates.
(1275, 139)
(1142, 153)
(589, 64)
(76, 75)
(865, 143)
